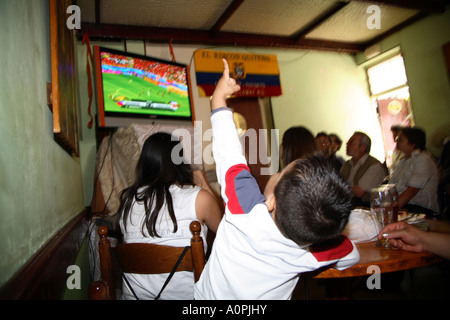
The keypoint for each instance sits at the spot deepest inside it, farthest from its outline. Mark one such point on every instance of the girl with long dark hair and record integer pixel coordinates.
(158, 208)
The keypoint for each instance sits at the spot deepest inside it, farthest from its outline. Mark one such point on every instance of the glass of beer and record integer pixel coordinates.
(384, 206)
(393, 191)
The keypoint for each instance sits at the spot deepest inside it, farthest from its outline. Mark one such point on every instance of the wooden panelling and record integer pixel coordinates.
(45, 275)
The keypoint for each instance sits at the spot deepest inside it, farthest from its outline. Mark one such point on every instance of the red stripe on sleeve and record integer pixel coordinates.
(230, 189)
(334, 249)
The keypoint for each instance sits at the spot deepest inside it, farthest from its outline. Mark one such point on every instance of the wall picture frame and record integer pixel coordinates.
(64, 107)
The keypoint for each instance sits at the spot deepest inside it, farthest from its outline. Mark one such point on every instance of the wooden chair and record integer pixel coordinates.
(144, 258)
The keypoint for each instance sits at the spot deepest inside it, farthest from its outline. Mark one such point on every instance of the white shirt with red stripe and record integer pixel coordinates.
(250, 258)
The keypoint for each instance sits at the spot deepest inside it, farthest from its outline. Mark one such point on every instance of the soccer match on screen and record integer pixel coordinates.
(146, 87)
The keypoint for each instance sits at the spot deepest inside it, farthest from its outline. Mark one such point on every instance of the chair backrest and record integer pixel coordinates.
(144, 258)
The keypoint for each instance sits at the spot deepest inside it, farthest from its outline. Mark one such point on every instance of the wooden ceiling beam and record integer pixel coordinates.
(398, 27)
(422, 5)
(319, 20)
(234, 5)
(206, 37)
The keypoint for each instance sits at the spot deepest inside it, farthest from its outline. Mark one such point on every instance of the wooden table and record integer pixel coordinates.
(386, 259)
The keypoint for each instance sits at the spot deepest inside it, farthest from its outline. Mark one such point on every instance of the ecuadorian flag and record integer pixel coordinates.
(257, 74)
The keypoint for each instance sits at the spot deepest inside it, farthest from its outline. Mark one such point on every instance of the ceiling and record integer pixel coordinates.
(305, 24)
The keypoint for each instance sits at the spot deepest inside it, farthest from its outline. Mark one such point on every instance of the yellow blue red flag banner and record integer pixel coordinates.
(257, 74)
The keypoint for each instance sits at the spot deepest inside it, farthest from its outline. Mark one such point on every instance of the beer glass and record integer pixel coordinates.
(383, 201)
(394, 194)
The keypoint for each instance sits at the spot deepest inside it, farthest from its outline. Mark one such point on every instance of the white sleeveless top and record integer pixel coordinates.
(181, 286)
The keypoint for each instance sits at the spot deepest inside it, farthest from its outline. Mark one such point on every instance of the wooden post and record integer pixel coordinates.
(105, 260)
(198, 255)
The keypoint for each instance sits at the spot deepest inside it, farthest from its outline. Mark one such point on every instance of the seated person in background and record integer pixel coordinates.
(362, 172)
(297, 142)
(158, 208)
(262, 244)
(323, 142)
(397, 155)
(335, 146)
(416, 175)
(403, 236)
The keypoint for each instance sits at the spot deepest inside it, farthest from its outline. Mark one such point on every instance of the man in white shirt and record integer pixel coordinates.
(362, 172)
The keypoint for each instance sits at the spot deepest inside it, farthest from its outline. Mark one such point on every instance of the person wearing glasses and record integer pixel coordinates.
(324, 144)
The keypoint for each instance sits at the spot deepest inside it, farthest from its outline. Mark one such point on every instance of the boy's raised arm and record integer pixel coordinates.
(239, 189)
(227, 149)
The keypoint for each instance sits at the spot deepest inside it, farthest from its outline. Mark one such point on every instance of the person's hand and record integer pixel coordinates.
(401, 235)
(226, 86)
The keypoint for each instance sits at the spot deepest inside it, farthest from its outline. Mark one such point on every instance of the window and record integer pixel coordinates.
(387, 75)
(390, 96)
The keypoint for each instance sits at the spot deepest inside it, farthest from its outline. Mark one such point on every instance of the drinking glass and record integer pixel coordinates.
(394, 194)
(384, 206)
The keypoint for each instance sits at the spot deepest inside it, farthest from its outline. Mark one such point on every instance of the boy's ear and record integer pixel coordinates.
(270, 203)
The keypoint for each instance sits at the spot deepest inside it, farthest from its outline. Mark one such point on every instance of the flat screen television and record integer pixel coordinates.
(132, 88)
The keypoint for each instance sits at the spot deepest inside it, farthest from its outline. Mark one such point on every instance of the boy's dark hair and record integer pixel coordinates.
(415, 136)
(313, 203)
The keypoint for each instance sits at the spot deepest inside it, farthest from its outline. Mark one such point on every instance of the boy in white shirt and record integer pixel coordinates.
(264, 243)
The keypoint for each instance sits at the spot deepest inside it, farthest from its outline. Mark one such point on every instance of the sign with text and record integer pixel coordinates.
(257, 74)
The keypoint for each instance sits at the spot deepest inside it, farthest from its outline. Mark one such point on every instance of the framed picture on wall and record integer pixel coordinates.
(65, 128)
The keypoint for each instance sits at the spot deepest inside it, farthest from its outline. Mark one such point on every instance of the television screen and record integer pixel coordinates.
(132, 87)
